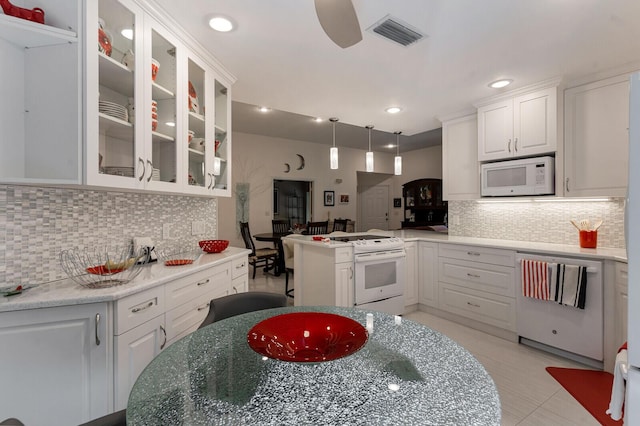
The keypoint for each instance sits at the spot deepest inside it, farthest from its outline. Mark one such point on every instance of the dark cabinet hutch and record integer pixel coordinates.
(423, 204)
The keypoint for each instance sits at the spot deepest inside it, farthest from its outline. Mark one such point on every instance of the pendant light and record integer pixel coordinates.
(369, 157)
(333, 151)
(397, 165)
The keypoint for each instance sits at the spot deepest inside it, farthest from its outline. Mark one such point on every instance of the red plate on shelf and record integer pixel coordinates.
(178, 262)
(103, 270)
(307, 337)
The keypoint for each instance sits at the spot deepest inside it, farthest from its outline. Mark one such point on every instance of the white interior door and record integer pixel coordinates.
(375, 208)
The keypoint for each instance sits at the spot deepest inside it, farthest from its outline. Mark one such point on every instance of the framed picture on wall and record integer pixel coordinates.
(329, 198)
(397, 202)
(344, 198)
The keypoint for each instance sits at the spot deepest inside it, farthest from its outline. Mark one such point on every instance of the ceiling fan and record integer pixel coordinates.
(339, 20)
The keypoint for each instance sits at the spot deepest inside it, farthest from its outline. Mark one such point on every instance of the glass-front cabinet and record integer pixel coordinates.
(158, 119)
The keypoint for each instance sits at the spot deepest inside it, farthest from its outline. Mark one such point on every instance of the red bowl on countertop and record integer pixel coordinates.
(214, 246)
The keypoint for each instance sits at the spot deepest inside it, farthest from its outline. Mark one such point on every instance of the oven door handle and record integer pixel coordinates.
(377, 256)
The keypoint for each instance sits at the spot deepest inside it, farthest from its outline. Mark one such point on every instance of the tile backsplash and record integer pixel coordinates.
(36, 224)
(547, 221)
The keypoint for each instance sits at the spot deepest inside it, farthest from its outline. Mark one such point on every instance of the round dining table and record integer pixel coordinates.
(405, 374)
(276, 238)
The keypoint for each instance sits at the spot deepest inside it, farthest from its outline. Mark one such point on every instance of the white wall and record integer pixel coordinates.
(260, 159)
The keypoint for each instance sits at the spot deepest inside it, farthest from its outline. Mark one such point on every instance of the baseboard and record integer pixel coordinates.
(598, 365)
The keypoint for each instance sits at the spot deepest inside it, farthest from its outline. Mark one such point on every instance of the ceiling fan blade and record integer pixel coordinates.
(339, 20)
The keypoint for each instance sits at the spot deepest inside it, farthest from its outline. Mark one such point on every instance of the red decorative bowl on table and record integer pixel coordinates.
(307, 337)
(214, 246)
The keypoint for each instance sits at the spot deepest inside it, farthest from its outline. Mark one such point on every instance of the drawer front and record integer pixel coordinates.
(479, 276)
(187, 317)
(195, 285)
(240, 284)
(344, 254)
(478, 254)
(138, 308)
(239, 267)
(498, 311)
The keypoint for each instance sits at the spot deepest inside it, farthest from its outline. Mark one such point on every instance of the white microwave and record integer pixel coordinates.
(527, 176)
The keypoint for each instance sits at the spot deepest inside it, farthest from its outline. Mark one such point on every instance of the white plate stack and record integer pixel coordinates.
(114, 110)
(155, 175)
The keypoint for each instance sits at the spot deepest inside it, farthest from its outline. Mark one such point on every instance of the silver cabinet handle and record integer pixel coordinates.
(202, 308)
(235, 290)
(165, 337)
(473, 275)
(150, 170)
(97, 326)
(567, 184)
(141, 161)
(473, 304)
(203, 282)
(473, 253)
(515, 144)
(509, 145)
(240, 266)
(142, 308)
(351, 271)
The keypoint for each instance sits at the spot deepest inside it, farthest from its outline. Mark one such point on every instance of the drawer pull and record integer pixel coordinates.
(240, 266)
(203, 282)
(165, 337)
(202, 308)
(97, 326)
(473, 304)
(473, 275)
(473, 253)
(142, 308)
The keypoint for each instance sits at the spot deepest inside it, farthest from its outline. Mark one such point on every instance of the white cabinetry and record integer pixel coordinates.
(478, 283)
(621, 303)
(596, 138)
(41, 86)
(428, 274)
(54, 364)
(460, 167)
(518, 126)
(324, 276)
(411, 274)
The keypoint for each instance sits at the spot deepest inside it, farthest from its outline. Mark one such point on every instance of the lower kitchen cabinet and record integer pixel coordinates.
(54, 364)
(428, 274)
(411, 275)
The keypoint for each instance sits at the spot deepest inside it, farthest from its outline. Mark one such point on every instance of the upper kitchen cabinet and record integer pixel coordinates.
(151, 105)
(521, 124)
(596, 138)
(41, 86)
(460, 167)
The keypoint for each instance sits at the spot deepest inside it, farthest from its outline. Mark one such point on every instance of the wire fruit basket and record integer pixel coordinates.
(104, 267)
(178, 255)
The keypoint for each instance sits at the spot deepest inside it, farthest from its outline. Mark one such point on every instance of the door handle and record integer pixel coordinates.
(97, 326)
(150, 170)
(141, 161)
(515, 144)
(509, 146)
(165, 337)
(567, 184)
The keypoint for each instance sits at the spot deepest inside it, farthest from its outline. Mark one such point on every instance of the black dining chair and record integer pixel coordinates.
(266, 257)
(317, 228)
(119, 418)
(340, 225)
(280, 226)
(241, 303)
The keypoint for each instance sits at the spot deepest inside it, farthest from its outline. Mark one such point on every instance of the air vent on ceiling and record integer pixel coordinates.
(397, 31)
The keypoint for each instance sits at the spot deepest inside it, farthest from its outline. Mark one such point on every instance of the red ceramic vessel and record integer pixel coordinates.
(307, 337)
(36, 14)
(213, 246)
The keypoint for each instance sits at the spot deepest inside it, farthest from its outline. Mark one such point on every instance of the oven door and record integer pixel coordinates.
(379, 275)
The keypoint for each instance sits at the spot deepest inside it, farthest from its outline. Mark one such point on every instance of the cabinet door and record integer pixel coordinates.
(133, 351)
(495, 131)
(535, 123)
(621, 303)
(344, 284)
(53, 364)
(596, 140)
(460, 167)
(428, 273)
(411, 274)
(240, 284)
(222, 160)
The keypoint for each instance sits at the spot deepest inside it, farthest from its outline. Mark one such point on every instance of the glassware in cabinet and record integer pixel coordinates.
(197, 172)
(222, 147)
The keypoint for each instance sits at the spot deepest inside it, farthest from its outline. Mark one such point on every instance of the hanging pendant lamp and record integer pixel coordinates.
(369, 156)
(333, 151)
(397, 165)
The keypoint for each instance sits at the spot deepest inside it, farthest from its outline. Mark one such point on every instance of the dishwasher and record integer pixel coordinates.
(568, 331)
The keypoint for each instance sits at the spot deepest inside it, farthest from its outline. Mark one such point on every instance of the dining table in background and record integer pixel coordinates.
(406, 373)
(276, 238)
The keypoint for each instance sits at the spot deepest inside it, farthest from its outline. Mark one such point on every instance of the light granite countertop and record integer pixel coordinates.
(67, 292)
(604, 253)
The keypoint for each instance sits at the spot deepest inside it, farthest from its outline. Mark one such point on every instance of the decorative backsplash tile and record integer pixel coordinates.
(36, 224)
(547, 222)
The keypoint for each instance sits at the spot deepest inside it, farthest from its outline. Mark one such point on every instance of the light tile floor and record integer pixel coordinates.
(528, 394)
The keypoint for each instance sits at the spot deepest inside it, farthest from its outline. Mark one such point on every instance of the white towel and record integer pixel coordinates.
(618, 387)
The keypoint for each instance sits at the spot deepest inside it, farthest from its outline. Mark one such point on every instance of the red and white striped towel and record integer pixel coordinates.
(535, 279)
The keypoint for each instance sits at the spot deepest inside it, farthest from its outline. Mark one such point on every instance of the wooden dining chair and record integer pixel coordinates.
(266, 257)
(317, 228)
(340, 225)
(241, 303)
(280, 226)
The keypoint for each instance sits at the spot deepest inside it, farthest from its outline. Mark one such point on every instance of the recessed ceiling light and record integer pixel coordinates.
(498, 84)
(221, 23)
(264, 109)
(390, 145)
(393, 110)
(318, 120)
(127, 33)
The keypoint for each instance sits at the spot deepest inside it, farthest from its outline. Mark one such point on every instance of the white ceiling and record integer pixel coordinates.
(282, 59)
